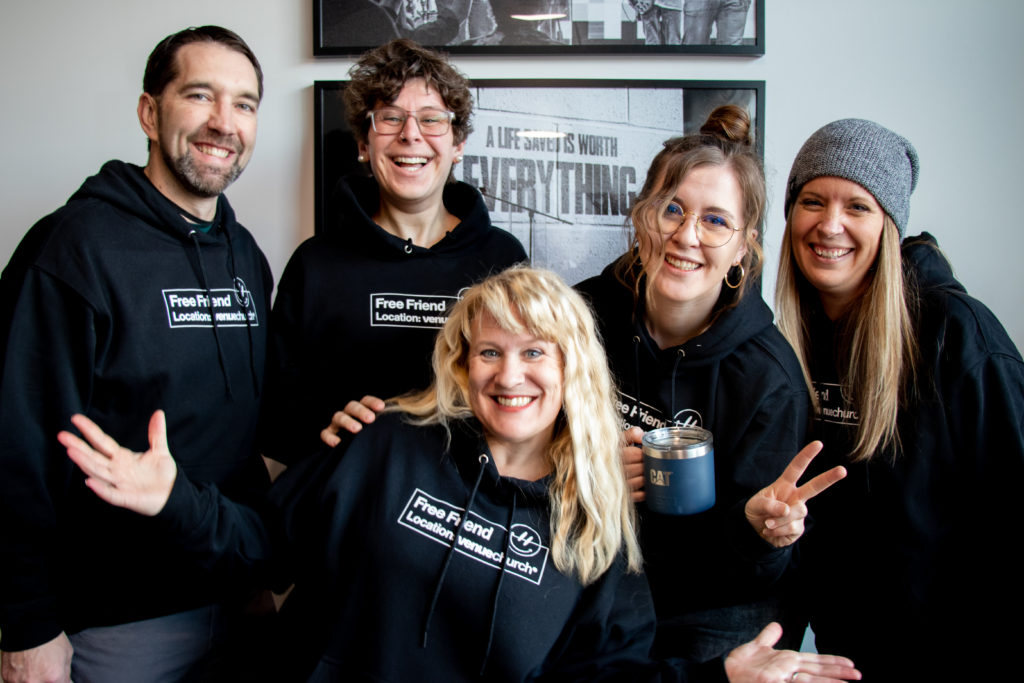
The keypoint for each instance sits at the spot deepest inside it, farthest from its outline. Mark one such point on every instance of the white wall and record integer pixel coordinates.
(944, 73)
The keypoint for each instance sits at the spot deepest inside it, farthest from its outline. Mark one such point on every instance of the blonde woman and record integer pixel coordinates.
(483, 525)
(920, 394)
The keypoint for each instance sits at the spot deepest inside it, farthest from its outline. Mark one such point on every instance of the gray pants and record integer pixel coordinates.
(157, 650)
(662, 26)
(728, 16)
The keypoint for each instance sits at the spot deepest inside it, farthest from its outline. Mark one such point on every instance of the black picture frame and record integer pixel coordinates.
(350, 27)
(567, 198)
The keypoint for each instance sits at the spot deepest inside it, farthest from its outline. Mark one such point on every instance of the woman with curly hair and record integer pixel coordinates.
(359, 305)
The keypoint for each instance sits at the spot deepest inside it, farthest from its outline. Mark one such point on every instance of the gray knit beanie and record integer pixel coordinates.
(874, 157)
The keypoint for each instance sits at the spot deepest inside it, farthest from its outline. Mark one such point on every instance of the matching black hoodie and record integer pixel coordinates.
(416, 560)
(912, 559)
(740, 380)
(358, 308)
(105, 309)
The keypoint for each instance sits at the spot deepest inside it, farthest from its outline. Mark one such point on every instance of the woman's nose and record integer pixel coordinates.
(831, 222)
(510, 374)
(686, 233)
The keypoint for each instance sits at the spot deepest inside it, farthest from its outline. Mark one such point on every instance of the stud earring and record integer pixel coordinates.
(360, 158)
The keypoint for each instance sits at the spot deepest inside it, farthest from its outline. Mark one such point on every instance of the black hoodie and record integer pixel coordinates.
(357, 310)
(391, 585)
(105, 310)
(740, 380)
(913, 553)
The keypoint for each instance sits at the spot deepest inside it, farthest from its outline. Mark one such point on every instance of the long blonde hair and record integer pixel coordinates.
(592, 518)
(876, 348)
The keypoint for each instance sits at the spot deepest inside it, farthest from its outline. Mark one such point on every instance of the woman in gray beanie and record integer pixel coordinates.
(919, 392)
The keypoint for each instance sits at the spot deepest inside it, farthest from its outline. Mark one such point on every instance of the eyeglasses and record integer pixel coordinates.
(713, 229)
(391, 120)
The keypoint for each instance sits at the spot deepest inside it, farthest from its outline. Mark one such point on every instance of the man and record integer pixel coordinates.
(142, 293)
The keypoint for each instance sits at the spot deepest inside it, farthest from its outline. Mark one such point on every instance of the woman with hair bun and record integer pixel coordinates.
(692, 343)
(919, 392)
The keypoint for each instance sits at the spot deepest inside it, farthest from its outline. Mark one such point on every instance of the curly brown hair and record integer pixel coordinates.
(381, 73)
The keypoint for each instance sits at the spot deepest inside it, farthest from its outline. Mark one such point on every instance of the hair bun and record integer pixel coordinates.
(729, 122)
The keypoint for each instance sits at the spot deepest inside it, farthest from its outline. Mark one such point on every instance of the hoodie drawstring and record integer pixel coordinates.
(636, 373)
(248, 322)
(680, 355)
(483, 459)
(497, 588)
(194, 234)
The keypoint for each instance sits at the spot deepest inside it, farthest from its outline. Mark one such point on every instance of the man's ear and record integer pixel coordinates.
(148, 115)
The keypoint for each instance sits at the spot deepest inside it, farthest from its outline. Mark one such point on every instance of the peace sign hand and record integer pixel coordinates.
(777, 511)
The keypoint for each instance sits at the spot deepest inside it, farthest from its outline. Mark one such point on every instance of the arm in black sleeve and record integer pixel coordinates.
(50, 338)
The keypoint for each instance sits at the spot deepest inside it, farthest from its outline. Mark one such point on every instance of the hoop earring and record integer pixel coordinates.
(739, 282)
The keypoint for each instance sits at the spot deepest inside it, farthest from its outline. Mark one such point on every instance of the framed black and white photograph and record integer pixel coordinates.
(559, 162)
(725, 27)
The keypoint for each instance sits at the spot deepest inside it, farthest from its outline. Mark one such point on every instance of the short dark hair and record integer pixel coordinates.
(162, 65)
(381, 73)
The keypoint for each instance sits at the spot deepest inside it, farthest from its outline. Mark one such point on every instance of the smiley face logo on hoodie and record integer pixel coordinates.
(241, 293)
(525, 541)
(688, 417)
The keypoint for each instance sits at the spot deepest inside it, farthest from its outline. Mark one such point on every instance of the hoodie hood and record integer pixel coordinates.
(125, 187)
(357, 198)
(732, 327)
(650, 375)
(922, 255)
(468, 444)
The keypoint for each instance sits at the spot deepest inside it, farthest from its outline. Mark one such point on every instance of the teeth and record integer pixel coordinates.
(513, 401)
(681, 264)
(410, 160)
(214, 151)
(831, 253)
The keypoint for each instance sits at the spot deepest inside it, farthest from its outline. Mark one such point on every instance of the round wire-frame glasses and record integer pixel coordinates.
(391, 120)
(713, 229)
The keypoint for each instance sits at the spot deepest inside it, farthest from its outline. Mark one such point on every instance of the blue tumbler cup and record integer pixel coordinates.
(679, 470)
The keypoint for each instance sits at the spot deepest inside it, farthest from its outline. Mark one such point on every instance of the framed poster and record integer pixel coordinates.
(718, 27)
(559, 162)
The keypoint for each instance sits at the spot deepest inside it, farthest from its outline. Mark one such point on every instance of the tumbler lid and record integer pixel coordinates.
(677, 443)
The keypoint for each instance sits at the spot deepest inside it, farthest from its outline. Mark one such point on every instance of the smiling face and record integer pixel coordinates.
(410, 167)
(202, 126)
(835, 230)
(683, 272)
(515, 388)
